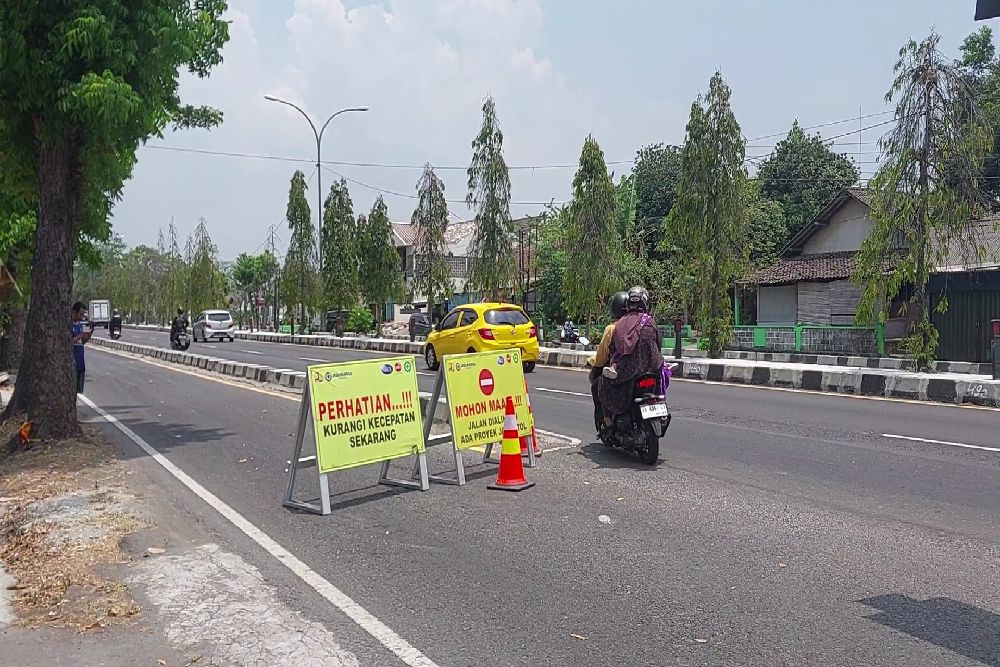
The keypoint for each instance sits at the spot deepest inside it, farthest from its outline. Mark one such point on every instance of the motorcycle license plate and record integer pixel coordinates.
(651, 410)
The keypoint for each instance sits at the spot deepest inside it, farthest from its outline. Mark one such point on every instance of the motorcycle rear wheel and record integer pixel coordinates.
(650, 453)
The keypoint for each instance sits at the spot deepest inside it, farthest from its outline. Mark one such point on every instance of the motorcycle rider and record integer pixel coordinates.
(635, 351)
(602, 357)
(116, 322)
(179, 324)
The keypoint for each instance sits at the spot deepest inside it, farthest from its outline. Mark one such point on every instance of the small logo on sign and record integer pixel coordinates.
(515, 358)
(399, 366)
(508, 358)
(500, 360)
(407, 367)
(329, 376)
(387, 369)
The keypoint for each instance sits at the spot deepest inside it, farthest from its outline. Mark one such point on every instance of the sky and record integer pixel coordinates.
(625, 71)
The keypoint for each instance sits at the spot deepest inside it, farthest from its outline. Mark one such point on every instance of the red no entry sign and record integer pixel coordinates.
(486, 381)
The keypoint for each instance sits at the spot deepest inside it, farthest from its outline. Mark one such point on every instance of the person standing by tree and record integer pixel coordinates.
(80, 336)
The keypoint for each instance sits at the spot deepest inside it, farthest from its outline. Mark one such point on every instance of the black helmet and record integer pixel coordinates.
(180, 311)
(618, 303)
(638, 300)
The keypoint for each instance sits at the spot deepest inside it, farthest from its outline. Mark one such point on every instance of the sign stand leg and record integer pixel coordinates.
(297, 462)
(420, 469)
(459, 479)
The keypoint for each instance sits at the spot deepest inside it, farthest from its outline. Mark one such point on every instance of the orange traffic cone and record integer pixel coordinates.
(531, 417)
(510, 475)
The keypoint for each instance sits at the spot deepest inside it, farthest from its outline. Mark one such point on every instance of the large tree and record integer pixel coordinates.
(927, 191)
(431, 274)
(708, 218)
(299, 279)
(82, 84)
(803, 174)
(340, 248)
(379, 261)
(592, 243)
(656, 174)
(491, 252)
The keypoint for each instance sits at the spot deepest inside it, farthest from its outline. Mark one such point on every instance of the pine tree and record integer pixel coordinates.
(491, 252)
(206, 287)
(708, 218)
(379, 261)
(341, 246)
(592, 244)
(299, 277)
(431, 273)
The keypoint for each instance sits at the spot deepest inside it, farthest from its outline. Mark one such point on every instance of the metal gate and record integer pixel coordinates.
(965, 329)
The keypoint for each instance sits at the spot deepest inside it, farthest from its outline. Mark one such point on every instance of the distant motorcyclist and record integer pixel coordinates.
(116, 322)
(635, 351)
(179, 324)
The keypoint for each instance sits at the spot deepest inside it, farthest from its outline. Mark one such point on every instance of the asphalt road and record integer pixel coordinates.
(780, 528)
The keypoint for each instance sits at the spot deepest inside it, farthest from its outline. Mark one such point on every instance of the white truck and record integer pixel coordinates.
(100, 313)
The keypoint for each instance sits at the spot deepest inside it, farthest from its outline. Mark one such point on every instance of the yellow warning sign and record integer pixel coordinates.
(365, 412)
(478, 386)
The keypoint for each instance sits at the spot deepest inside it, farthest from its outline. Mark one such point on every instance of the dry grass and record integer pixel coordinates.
(63, 514)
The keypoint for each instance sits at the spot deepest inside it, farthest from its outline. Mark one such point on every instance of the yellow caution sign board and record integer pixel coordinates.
(365, 412)
(478, 386)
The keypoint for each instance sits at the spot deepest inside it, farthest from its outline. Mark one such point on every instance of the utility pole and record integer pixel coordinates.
(274, 305)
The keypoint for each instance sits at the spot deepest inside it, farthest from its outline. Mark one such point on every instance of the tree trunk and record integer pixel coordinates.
(46, 384)
(923, 241)
(13, 340)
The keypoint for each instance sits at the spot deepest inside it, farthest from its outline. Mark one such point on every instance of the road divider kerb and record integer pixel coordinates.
(284, 378)
(879, 382)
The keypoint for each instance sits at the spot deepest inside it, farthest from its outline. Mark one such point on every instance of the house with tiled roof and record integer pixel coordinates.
(811, 284)
(458, 237)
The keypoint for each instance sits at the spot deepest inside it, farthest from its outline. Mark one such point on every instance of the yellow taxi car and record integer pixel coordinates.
(481, 327)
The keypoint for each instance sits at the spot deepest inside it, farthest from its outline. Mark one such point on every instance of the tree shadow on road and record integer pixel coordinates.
(612, 459)
(950, 624)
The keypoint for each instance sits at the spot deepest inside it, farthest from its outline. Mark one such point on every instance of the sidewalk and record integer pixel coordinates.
(105, 562)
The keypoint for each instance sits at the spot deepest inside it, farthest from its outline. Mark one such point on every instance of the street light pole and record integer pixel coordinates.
(318, 135)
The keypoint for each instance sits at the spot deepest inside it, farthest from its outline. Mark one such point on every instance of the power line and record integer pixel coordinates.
(829, 124)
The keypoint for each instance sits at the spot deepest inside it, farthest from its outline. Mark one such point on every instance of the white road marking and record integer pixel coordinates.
(940, 442)
(251, 352)
(212, 347)
(315, 361)
(560, 391)
(385, 635)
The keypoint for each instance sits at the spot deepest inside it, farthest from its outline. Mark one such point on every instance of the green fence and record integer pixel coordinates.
(811, 338)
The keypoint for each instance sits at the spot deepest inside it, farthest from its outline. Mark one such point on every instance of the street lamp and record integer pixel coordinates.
(319, 163)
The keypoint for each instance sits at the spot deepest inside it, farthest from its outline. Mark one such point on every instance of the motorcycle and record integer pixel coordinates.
(114, 332)
(640, 429)
(569, 334)
(180, 341)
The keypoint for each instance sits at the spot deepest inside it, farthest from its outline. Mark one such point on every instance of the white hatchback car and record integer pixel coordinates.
(213, 324)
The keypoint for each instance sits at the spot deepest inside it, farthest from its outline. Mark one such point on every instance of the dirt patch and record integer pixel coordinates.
(64, 509)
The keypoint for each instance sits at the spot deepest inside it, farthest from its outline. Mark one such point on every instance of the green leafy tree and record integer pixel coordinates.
(82, 84)
(247, 279)
(299, 278)
(767, 229)
(207, 286)
(657, 173)
(709, 216)
(340, 247)
(551, 262)
(926, 192)
(592, 243)
(493, 269)
(431, 273)
(380, 263)
(803, 175)
(980, 67)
